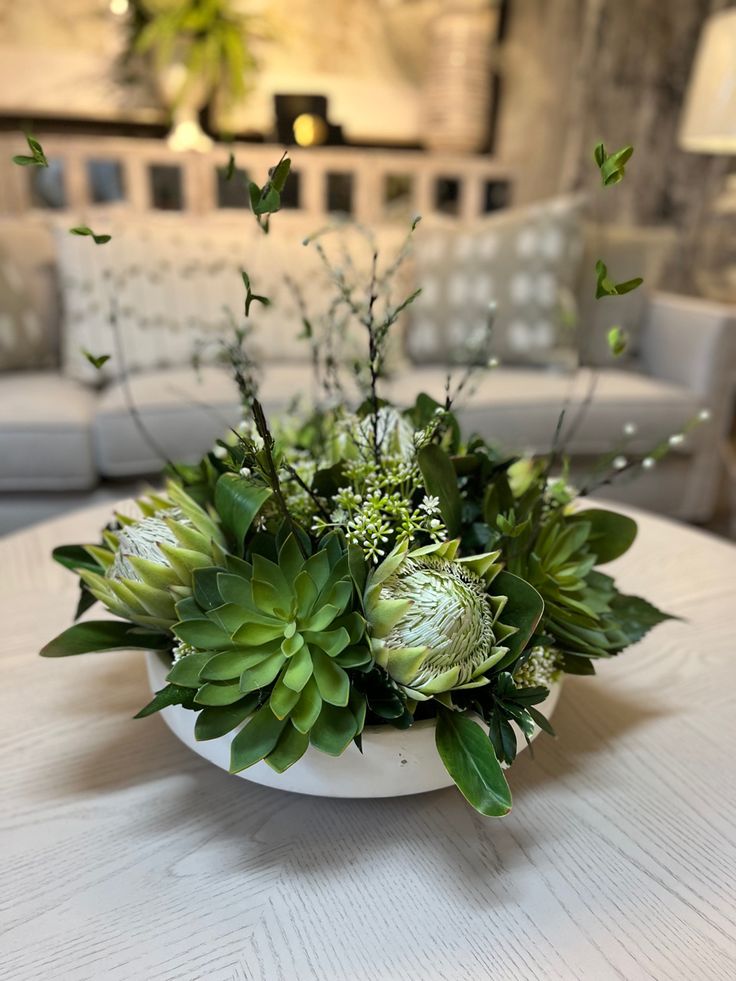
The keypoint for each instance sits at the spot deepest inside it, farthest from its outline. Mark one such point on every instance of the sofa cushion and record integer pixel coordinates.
(182, 411)
(524, 260)
(178, 290)
(45, 433)
(518, 409)
(29, 301)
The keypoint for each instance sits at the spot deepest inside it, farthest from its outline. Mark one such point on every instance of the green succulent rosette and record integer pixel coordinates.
(275, 640)
(147, 565)
(434, 626)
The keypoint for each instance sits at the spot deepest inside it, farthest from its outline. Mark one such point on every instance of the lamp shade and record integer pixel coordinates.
(708, 122)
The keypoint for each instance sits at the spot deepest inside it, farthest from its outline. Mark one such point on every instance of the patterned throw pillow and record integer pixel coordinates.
(28, 297)
(524, 261)
(176, 288)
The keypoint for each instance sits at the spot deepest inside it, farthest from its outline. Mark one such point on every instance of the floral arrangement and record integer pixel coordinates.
(363, 564)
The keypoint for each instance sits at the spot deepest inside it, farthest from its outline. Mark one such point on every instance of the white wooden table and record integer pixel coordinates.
(127, 857)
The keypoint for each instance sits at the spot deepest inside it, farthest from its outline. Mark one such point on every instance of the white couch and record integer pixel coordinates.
(62, 439)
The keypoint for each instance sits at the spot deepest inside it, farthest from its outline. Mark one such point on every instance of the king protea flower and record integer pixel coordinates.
(148, 563)
(433, 625)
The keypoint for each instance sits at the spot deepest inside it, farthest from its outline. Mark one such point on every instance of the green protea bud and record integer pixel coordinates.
(433, 624)
(287, 630)
(149, 562)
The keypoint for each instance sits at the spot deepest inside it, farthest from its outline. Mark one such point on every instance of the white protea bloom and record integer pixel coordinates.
(143, 540)
(147, 566)
(433, 625)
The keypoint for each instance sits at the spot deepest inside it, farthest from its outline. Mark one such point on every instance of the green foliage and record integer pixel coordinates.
(83, 230)
(470, 760)
(104, 635)
(37, 157)
(211, 38)
(238, 502)
(288, 630)
(618, 341)
(96, 360)
(169, 695)
(508, 704)
(440, 481)
(250, 296)
(612, 165)
(606, 286)
(266, 200)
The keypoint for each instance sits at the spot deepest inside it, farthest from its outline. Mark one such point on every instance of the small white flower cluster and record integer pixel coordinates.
(540, 668)
(182, 650)
(372, 520)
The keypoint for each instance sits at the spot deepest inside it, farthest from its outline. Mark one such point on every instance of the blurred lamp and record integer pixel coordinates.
(708, 125)
(309, 130)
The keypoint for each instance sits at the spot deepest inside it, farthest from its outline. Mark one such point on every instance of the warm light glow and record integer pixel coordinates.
(119, 7)
(708, 122)
(309, 130)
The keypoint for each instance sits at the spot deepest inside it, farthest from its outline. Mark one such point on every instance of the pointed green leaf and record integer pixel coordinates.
(219, 720)
(332, 682)
(292, 745)
(308, 707)
(105, 635)
(470, 760)
(334, 730)
(255, 740)
(170, 695)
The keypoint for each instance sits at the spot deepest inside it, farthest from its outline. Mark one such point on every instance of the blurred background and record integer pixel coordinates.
(479, 115)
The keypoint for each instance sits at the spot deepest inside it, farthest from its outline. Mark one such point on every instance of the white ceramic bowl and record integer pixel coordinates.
(394, 762)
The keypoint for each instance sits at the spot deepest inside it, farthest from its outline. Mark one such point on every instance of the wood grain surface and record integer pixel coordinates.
(125, 856)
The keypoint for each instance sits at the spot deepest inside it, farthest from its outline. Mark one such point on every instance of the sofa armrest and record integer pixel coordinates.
(691, 342)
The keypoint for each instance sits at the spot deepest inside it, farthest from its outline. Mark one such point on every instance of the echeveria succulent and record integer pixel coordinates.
(434, 626)
(148, 563)
(289, 630)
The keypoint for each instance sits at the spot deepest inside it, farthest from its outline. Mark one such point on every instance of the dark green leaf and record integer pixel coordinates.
(541, 720)
(170, 695)
(230, 169)
(216, 721)
(524, 610)
(75, 557)
(84, 230)
(636, 616)
(470, 760)
(96, 360)
(280, 174)
(105, 635)
(440, 481)
(611, 534)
